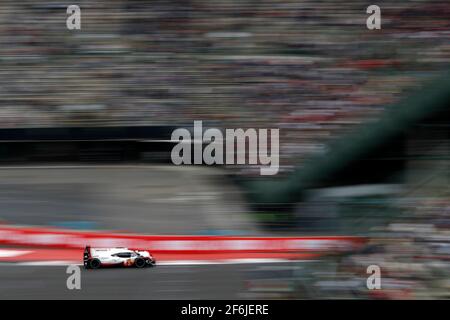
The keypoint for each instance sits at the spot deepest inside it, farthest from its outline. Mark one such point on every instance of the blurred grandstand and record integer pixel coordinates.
(310, 68)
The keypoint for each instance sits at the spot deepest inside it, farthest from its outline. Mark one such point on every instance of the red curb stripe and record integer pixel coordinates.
(57, 238)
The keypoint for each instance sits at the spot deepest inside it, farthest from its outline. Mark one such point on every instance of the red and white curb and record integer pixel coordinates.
(163, 263)
(183, 244)
(64, 257)
(43, 246)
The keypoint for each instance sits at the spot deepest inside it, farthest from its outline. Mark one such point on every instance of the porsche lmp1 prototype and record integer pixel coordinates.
(95, 258)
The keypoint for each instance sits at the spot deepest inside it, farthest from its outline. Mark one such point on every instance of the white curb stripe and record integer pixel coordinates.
(12, 253)
(165, 263)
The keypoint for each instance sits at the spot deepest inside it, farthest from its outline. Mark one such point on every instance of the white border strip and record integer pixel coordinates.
(165, 263)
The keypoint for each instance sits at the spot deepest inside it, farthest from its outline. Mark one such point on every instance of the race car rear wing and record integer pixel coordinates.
(86, 255)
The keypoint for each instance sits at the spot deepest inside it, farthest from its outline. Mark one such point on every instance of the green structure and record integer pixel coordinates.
(432, 102)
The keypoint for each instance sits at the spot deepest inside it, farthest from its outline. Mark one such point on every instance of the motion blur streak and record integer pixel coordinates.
(86, 117)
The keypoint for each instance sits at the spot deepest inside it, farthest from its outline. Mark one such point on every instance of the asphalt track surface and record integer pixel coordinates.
(141, 199)
(161, 282)
(133, 198)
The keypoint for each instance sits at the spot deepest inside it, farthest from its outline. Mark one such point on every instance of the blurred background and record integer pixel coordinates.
(86, 117)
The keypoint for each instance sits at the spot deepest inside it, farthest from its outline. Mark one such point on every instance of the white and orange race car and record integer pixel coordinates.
(95, 258)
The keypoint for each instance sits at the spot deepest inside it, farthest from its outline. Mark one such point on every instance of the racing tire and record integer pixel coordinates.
(94, 264)
(140, 263)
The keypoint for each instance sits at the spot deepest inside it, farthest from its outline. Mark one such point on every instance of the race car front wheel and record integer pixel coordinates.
(94, 264)
(139, 263)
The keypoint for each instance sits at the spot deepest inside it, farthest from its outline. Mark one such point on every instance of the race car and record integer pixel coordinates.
(95, 258)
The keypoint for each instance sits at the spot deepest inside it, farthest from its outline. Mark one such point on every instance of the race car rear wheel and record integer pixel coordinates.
(139, 263)
(94, 264)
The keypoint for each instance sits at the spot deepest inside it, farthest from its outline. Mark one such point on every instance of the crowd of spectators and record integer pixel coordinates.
(412, 254)
(311, 68)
